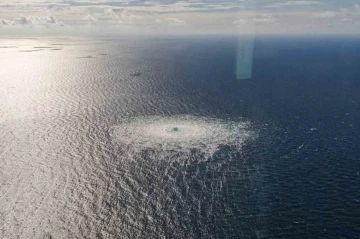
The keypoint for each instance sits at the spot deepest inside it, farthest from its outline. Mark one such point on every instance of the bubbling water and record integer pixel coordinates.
(182, 134)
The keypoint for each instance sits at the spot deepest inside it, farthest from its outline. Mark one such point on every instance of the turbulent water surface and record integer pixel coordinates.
(154, 138)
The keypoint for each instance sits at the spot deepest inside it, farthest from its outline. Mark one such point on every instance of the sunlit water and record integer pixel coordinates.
(153, 138)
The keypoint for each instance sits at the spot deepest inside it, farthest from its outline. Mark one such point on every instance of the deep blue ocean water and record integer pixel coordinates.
(305, 95)
(63, 176)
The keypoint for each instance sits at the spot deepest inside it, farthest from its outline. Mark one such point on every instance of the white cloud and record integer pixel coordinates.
(129, 16)
(218, 16)
(264, 20)
(344, 14)
(357, 10)
(294, 3)
(4, 22)
(110, 17)
(326, 15)
(32, 21)
(110, 12)
(90, 19)
(175, 21)
(240, 22)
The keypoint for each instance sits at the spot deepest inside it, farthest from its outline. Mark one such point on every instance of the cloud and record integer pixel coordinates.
(4, 22)
(110, 12)
(344, 14)
(326, 15)
(293, 3)
(357, 9)
(261, 19)
(90, 19)
(264, 20)
(129, 17)
(32, 21)
(240, 22)
(204, 15)
(106, 16)
(175, 22)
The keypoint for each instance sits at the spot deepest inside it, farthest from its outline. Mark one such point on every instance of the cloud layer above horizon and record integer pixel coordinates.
(172, 16)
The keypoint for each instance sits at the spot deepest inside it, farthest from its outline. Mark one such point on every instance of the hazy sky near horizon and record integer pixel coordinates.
(156, 16)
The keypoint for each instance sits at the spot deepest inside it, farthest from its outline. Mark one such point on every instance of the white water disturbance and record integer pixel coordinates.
(181, 134)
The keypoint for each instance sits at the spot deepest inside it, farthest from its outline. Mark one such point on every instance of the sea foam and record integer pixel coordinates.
(184, 133)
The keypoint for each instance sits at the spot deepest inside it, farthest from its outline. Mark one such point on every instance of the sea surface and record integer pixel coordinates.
(153, 137)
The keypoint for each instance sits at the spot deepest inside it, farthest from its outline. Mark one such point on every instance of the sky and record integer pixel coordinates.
(179, 17)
